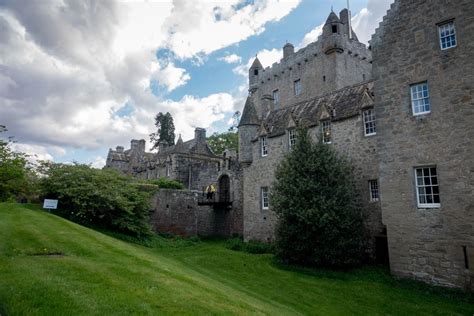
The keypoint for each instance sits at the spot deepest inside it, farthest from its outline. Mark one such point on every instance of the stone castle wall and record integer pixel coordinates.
(427, 244)
(177, 212)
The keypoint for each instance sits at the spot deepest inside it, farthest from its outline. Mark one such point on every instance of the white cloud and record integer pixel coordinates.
(203, 27)
(98, 163)
(231, 59)
(311, 36)
(67, 66)
(364, 23)
(35, 152)
(266, 57)
(169, 75)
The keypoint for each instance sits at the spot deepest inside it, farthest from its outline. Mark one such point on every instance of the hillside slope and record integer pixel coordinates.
(50, 266)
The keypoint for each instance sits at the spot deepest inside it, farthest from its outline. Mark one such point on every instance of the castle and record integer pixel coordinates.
(401, 111)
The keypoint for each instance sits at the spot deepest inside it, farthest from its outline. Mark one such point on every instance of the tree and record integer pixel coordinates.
(16, 173)
(165, 130)
(218, 142)
(97, 197)
(235, 121)
(319, 213)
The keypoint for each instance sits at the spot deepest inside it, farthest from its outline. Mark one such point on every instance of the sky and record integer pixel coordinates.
(80, 77)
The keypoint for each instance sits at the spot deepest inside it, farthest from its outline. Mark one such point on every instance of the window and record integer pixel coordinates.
(297, 86)
(369, 122)
(264, 146)
(420, 99)
(276, 98)
(291, 137)
(264, 194)
(168, 170)
(324, 78)
(447, 35)
(326, 131)
(427, 187)
(255, 72)
(374, 190)
(334, 28)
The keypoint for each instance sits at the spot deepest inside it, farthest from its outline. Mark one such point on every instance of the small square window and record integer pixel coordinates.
(276, 98)
(265, 200)
(374, 190)
(297, 87)
(291, 138)
(255, 72)
(447, 35)
(369, 122)
(334, 28)
(264, 146)
(420, 98)
(326, 131)
(427, 187)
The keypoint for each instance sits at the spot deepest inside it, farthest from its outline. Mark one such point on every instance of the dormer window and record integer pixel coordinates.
(326, 131)
(263, 146)
(255, 72)
(334, 28)
(291, 138)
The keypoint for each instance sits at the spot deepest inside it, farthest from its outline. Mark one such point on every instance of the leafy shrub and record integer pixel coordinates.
(17, 177)
(320, 218)
(165, 183)
(100, 198)
(252, 246)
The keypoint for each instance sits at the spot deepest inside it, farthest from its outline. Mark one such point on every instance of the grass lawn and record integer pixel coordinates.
(50, 266)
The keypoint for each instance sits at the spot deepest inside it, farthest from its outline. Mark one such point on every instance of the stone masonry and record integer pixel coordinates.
(434, 243)
(334, 74)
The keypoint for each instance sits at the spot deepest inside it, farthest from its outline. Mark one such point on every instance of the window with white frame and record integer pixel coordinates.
(447, 35)
(420, 98)
(264, 194)
(369, 122)
(291, 137)
(297, 87)
(276, 98)
(263, 146)
(326, 131)
(374, 190)
(427, 187)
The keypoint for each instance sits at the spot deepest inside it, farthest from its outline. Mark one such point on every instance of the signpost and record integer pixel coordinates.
(50, 204)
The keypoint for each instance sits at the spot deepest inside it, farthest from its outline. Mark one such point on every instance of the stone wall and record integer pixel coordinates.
(430, 244)
(177, 212)
(348, 139)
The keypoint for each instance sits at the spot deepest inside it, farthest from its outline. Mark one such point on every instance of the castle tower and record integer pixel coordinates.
(254, 72)
(248, 126)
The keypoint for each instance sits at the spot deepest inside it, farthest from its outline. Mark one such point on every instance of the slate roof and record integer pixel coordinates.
(340, 104)
(249, 114)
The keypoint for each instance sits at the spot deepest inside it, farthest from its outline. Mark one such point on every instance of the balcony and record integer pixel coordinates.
(218, 199)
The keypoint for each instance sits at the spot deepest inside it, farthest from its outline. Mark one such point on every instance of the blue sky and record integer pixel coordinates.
(70, 91)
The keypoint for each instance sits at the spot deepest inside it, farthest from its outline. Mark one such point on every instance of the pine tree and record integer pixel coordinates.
(165, 130)
(314, 197)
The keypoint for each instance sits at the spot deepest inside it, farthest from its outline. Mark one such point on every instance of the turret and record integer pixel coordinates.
(248, 127)
(288, 50)
(254, 72)
(200, 134)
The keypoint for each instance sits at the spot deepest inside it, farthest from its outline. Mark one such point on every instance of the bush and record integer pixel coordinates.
(252, 246)
(100, 198)
(17, 177)
(314, 197)
(165, 183)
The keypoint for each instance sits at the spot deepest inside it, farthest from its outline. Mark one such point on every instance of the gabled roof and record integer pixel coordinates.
(332, 18)
(256, 63)
(340, 104)
(249, 115)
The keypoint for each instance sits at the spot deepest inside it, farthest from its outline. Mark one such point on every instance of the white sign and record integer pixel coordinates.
(50, 204)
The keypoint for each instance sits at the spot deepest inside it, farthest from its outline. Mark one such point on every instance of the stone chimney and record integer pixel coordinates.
(288, 50)
(200, 134)
(119, 149)
(162, 145)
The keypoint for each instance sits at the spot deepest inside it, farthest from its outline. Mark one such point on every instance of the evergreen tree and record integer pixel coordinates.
(314, 197)
(165, 130)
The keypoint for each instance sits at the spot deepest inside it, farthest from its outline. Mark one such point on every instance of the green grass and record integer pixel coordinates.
(50, 266)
